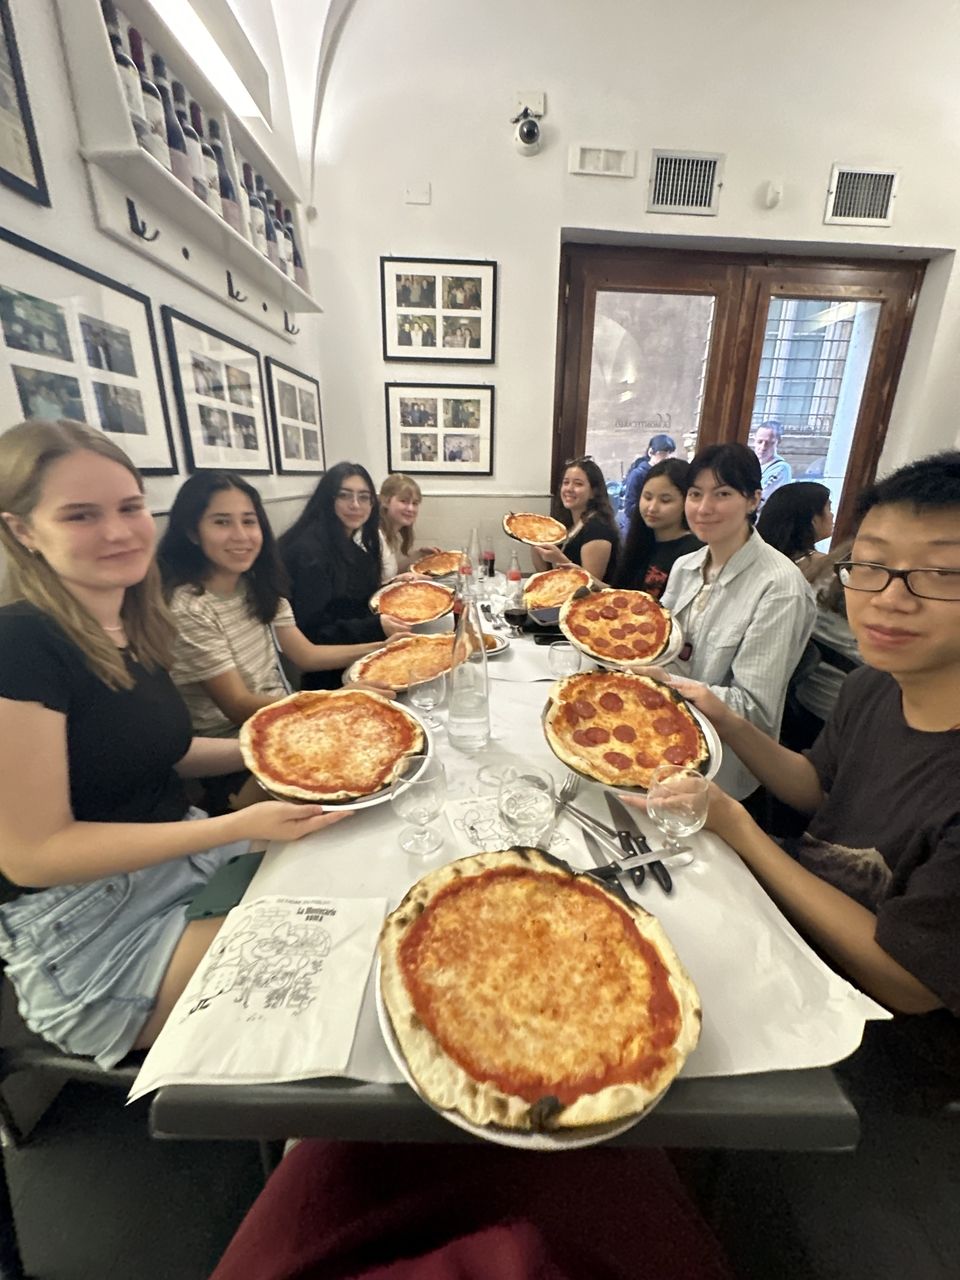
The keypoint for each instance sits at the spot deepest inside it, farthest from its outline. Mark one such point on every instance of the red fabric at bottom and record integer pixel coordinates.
(404, 1212)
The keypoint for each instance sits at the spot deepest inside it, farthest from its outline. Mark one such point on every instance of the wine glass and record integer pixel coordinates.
(564, 659)
(427, 690)
(528, 806)
(677, 801)
(515, 615)
(495, 768)
(418, 797)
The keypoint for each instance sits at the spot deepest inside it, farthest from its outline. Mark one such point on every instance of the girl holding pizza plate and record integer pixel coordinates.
(593, 539)
(225, 586)
(400, 500)
(100, 852)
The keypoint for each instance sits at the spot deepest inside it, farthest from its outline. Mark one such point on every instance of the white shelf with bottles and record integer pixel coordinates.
(139, 202)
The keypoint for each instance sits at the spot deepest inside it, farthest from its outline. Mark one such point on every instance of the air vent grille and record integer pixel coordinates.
(862, 197)
(685, 182)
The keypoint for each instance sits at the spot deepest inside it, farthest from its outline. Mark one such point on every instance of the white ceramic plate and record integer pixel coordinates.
(714, 751)
(558, 1140)
(502, 645)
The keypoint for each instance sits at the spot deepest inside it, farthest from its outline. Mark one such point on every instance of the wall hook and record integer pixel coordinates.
(234, 293)
(137, 224)
(292, 329)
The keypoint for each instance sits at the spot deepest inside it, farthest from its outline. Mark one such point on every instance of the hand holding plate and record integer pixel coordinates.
(394, 626)
(283, 820)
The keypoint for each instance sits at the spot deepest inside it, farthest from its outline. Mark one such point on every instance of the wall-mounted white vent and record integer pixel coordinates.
(685, 182)
(861, 197)
(603, 162)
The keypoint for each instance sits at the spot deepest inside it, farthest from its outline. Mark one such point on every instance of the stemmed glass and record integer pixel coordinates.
(528, 805)
(418, 797)
(564, 659)
(677, 801)
(427, 691)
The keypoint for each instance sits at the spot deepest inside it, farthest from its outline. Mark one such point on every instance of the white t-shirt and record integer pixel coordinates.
(389, 558)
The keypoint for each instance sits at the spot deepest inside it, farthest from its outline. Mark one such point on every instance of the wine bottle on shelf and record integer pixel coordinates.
(273, 249)
(278, 232)
(228, 194)
(286, 243)
(179, 160)
(155, 139)
(211, 174)
(257, 211)
(299, 271)
(198, 170)
(129, 75)
(243, 199)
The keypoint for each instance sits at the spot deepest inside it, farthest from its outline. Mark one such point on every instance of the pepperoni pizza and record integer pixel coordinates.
(525, 526)
(617, 727)
(528, 998)
(628, 628)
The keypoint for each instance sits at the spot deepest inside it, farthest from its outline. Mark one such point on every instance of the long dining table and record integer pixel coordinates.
(775, 1016)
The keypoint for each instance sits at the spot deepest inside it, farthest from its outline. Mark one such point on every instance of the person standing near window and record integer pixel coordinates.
(775, 470)
(659, 449)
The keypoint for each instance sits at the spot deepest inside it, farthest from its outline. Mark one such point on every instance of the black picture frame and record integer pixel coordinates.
(297, 420)
(222, 417)
(439, 310)
(17, 132)
(58, 336)
(441, 422)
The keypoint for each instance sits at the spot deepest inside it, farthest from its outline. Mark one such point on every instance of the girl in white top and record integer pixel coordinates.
(225, 583)
(400, 499)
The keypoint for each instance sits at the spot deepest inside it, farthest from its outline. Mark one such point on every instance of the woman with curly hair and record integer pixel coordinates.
(593, 540)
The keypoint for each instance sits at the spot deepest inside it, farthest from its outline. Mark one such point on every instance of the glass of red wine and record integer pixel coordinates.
(515, 615)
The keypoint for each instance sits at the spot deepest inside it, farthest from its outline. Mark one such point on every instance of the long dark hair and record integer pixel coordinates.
(733, 465)
(599, 502)
(786, 521)
(319, 525)
(641, 540)
(181, 558)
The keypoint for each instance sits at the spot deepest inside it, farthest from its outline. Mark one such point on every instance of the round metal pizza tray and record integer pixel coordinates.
(555, 1140)
(375, 797)
(432, 582)
(709, 769)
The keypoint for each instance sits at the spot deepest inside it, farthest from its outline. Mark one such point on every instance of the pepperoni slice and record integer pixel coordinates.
(646, 628)
(641, 645)
(616, 633)
(617, 760)
(580, 630)
(597, 736)
(621, 602)
(622, 651)
(665, 724)
(585, 710)
(650, 699)
(611, 701)
(570, 714)
(646, 761)
(625, 733)
(592, 614)
(639, 607)
(608, 611)
(676, 755)
(628, 628)
(580, 738)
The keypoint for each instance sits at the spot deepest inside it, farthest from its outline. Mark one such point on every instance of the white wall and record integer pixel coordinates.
(69, 228)
(423, 91)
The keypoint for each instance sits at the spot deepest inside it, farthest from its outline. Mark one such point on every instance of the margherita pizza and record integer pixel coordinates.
(617, 727)
(628, 628)
(413, 601)
(396, 664)
(439, 564)
(550, 589)
(526, 997)
(524, 526)
(338, 744)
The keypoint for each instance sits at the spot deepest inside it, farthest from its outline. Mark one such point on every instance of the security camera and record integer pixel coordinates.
(527, 135)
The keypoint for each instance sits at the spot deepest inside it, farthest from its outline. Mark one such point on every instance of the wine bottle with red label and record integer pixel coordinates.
(155, 139)
(176, 142)
(210, 173)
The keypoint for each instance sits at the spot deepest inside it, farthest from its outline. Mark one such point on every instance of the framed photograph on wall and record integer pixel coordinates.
(439, 429)
(438, 310)
(295, 415)
(219, 397)
(76, 344)
(20, 164)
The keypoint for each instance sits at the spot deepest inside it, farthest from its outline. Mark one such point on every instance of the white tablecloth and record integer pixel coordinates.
(769, 1003)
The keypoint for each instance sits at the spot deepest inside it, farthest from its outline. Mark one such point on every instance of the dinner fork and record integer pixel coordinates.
(570, 787)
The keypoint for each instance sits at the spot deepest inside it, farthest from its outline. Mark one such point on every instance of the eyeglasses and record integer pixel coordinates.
(363, 499)
(927, 584)
(575, 462)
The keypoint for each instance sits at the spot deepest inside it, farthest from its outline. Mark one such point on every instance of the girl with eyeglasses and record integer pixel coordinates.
(593, 540)
(332, 556)
(225, 586)
(100, 852)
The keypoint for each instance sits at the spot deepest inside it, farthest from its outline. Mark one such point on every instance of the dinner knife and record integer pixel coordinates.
(633, 840)
(610, 880)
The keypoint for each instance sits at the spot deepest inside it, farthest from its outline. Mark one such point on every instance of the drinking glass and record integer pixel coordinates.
(528, 806)
(427, 691)
(495, 768)
(564, 659)
(418, 798)
(677, 801)
(515, 615)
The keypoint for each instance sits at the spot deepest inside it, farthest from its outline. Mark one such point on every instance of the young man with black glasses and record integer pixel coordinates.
(875, 880)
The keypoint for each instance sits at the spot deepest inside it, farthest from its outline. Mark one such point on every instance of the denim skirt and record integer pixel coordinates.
(87, 960)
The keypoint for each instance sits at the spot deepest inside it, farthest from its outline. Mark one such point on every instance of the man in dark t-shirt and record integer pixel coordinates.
(875, 880)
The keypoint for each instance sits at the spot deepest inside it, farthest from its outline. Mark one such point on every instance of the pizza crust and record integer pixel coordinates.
(381, 710)
(553, 587)
(448, 1086)
(512, 528)
(574, 607)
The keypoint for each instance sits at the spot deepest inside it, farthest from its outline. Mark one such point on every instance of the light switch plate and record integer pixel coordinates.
(417, 193)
